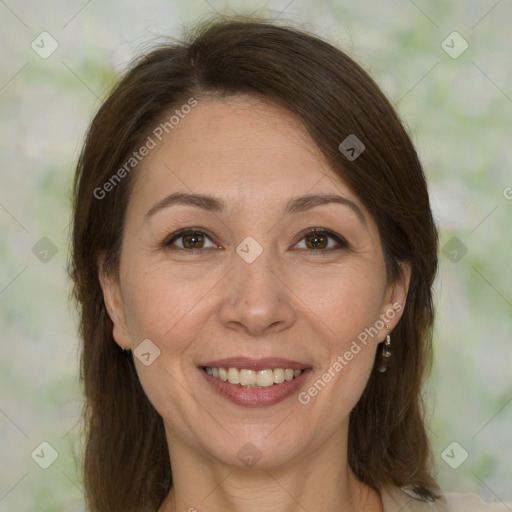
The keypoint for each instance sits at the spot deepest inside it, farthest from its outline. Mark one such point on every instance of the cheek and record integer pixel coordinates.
(350, 308)
(160, 301)
(338, 385)
(162, 305)
(347, 302)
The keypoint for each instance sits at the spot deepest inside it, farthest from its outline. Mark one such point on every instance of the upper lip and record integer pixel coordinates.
(256, 364)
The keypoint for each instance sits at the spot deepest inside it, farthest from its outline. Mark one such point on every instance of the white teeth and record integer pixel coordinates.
(288, 374)
(233, 376)
(247, 377)
(265, 378)
(278, 375)
(251, 378)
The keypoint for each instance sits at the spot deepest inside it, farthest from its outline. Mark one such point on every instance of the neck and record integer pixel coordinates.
(321, 480)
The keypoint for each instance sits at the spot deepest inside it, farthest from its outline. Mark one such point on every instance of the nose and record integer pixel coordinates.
(257, 299)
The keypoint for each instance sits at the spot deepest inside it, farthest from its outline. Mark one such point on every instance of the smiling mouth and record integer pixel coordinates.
(264, 378)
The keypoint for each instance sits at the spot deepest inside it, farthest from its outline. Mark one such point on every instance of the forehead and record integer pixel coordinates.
(245, 149)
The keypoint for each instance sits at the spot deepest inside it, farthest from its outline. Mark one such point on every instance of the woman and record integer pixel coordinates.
(253, 256)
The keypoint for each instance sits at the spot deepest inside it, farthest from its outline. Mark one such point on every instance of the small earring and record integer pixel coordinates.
(386, 353)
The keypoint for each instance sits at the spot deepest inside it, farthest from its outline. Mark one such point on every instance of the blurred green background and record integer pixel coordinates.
(458, 109)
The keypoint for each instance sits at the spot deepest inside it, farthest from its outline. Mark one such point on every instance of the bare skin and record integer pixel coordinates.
(293, 301)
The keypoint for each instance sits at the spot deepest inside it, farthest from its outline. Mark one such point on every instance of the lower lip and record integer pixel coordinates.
(256, 397)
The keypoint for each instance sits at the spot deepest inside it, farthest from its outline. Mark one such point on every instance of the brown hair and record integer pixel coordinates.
(126, 463)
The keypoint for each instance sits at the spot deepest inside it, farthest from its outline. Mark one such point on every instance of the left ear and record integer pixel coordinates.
(396, 295)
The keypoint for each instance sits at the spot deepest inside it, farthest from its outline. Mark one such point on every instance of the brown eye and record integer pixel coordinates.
(188, 239)
(195, 241)
(321, 241)
(316, 241)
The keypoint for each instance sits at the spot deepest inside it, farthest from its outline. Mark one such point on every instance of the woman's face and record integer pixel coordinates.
(247, 279)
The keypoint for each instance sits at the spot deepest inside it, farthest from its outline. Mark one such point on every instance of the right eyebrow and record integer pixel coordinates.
(204, 201)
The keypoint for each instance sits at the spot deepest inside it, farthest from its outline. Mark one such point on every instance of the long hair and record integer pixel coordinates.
(126, 464)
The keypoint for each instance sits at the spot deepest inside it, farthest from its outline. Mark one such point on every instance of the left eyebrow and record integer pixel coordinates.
(217, 205)
(304, 203)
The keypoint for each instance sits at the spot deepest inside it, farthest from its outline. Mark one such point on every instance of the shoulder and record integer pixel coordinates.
(401, 500)
(472, 502)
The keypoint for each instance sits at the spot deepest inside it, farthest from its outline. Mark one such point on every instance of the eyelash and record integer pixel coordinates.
(168, 242)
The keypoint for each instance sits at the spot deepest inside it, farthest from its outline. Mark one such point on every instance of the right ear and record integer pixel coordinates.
(113, 298)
